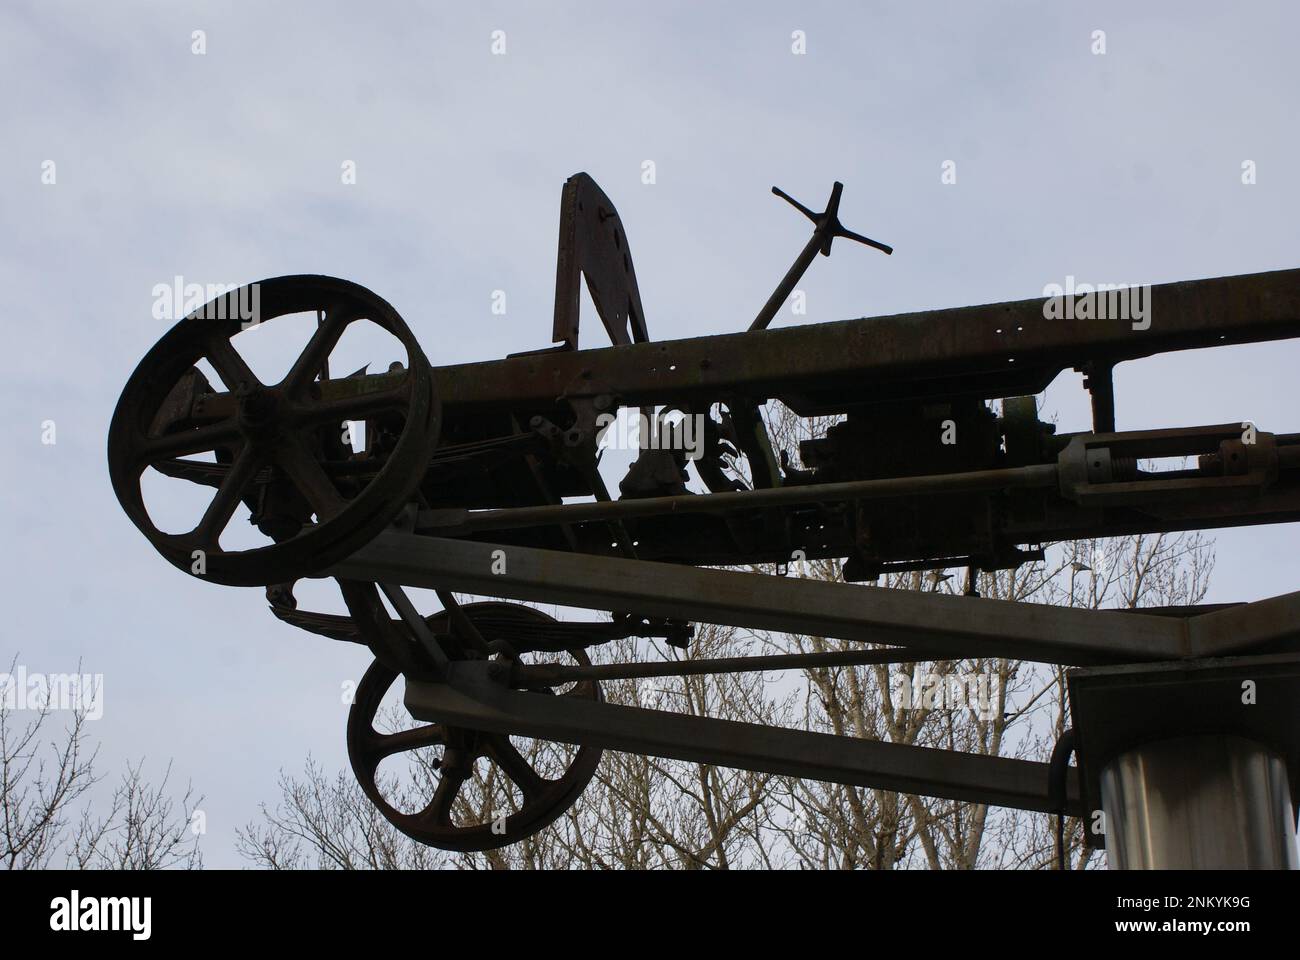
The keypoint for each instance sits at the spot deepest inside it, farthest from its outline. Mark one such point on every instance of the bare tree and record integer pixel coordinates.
(46, 814)
(326, 822)
(657, 813)
(39, 788)
(637, 812)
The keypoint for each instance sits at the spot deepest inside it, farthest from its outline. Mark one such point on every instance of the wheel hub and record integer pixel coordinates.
(259, 410)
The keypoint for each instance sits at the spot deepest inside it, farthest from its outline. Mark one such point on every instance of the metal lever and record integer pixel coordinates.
(826, 228)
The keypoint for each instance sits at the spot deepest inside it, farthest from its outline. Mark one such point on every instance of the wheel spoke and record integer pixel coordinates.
(449, 784)
(387, 744)
(316, 353)
(324, 364)
(230, 366)
(186, 442)
(516, 767)
(310, 478)
(227, 498)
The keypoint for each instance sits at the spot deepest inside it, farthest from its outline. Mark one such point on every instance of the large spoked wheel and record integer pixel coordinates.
(545, 780)
(273, 433)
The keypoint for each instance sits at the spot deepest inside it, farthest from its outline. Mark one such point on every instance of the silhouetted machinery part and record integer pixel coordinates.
(489, 792)
(474, 466)
(276, 445)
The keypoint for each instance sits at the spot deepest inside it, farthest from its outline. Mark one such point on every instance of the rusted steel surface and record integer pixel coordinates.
(594, 247)
(960, 351)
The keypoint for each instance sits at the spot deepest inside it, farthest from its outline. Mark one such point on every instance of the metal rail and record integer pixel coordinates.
(974, 481)
(555, 674)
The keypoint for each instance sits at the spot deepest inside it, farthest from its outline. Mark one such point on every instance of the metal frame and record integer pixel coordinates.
(925, 626)
(495, 449)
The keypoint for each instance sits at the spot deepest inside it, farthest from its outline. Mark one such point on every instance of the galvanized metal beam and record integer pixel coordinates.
(471, 699)
(921, 621)
(1265, 625)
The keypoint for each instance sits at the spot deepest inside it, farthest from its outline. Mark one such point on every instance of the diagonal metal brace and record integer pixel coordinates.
(927, 623)
(472, 699)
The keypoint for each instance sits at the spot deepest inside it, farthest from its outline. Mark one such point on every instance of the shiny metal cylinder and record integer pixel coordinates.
(1200, 803)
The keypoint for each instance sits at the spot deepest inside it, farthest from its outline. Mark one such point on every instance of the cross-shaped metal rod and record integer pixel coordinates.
(827, 228)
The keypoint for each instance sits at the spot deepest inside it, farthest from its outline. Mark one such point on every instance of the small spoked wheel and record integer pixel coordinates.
(485, 790)
(271, 442)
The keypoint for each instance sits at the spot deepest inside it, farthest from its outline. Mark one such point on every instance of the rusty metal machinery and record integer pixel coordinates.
(468, 465)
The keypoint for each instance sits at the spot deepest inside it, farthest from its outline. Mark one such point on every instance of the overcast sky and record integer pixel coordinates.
(225, 167)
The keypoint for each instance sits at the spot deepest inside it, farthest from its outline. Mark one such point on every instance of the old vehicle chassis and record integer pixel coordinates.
(484, 478)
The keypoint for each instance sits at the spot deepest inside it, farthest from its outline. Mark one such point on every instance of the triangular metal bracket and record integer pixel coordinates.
(593, 244)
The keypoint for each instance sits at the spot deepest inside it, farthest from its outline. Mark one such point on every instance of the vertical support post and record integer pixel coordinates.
(1191, 764)
(1199, 802)
(1100, 382)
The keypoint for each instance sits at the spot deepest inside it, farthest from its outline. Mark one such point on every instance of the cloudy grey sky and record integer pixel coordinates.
(225, 167)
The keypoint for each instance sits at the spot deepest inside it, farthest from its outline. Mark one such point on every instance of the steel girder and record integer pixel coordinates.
(933, 623)
(472, 699)
(990, 350)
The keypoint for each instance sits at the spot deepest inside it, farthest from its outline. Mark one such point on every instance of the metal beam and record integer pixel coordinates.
(473, 700)
(989, 350)
(1270, 624)
(921, 621)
